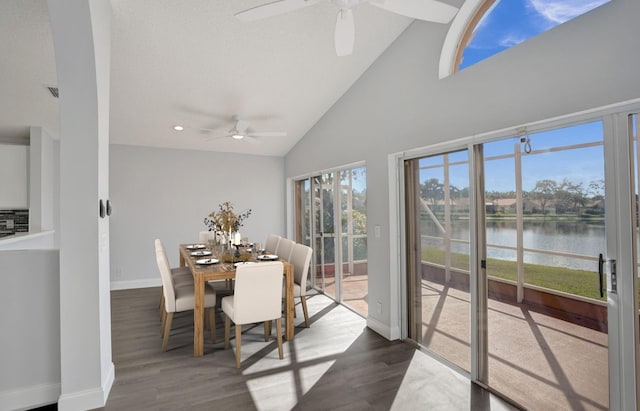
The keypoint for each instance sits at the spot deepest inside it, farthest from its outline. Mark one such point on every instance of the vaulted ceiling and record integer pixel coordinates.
(194, 64)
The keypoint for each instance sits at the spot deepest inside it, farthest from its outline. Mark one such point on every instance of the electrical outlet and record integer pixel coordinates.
(379, 307)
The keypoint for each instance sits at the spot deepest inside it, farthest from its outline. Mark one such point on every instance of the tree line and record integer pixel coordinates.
(565, 196)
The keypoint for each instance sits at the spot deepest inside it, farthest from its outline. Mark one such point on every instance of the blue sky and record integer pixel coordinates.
(510, 22)
(582, 165)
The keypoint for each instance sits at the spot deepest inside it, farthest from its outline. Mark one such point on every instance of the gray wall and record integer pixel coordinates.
(400, 104)
(167, 193)
(30, 324)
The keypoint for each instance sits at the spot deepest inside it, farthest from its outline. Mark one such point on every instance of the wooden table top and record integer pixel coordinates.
(218, 271)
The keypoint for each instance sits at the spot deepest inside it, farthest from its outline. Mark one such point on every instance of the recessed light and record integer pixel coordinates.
(178, 128)
(237, 136)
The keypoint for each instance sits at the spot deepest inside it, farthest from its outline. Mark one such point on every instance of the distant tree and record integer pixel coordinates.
(432, 190)
(596, 189)
(545, 192)
(570, 196)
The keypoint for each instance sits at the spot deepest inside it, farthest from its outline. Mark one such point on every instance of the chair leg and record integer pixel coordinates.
(166, 331)
(303, 299)
(227, 326)
(279, 336)
(211, 312)
(163, 320)
(267, 330)
(238, 337)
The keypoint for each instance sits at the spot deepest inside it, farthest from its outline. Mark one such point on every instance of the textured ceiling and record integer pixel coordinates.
(193, 63)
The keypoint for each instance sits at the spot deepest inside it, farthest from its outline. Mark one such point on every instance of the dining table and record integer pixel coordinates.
(224, 270)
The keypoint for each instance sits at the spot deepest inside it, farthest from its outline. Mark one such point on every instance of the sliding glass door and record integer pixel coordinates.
(331, 218)
(524, 291)
(437, 190)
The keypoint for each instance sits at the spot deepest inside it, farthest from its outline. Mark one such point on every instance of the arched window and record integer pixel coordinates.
(483, 28)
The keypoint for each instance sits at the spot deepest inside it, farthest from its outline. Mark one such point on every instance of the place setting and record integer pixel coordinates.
(200, 253)
(267, 257)
(207, 261)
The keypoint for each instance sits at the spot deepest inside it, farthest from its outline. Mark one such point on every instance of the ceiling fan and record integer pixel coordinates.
(241, 131)
(428, 10)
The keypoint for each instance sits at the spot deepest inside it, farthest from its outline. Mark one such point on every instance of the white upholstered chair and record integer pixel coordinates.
(181, 275)
(181, 298)
(272, 243)
(283, 250)
(257, 298)
(300, 259)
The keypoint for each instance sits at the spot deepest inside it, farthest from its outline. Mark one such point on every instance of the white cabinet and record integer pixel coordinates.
(14, 176)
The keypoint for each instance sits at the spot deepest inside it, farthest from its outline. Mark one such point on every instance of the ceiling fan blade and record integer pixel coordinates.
(345, 32)
(273, 9)
(249, 139)
(427, 10)
(267, 134)
(218, 137)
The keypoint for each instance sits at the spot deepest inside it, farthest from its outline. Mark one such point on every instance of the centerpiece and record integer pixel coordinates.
(226, 225)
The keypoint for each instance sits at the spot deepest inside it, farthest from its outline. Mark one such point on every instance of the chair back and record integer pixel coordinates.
(284, 248)
(165, 275)
(301, 258)
(258, 292)
(272, 243)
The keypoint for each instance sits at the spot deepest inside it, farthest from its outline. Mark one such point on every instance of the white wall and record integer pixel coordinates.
(30, 324)
(14, 171)
(167, 193)
(43, 181)
(400, 104)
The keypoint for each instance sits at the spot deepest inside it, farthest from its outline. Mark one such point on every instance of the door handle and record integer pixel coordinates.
(601, 274)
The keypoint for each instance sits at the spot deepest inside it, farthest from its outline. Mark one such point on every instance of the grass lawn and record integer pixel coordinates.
(579, 282)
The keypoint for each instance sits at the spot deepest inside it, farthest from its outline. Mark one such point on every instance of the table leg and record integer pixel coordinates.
(289, 307)
(198, 317)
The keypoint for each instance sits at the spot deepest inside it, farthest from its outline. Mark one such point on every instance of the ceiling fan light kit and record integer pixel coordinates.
(344, 37)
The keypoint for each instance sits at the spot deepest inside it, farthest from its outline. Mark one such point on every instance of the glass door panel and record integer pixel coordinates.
(438, 207)
(353, 238)
(331, 216)
(323, 191)
(545, 230)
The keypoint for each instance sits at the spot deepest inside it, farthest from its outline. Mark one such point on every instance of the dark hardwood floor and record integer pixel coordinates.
(337, 364)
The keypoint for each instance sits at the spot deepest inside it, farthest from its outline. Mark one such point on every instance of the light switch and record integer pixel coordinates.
(377, 231)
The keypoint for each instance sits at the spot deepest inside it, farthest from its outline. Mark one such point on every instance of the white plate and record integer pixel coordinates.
(207, 261)
(267, 257)
(196, 246)
(243, 263)
(200, 253)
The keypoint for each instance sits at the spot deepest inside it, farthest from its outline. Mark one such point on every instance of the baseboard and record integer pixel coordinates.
(131, 284)
(88, 399)
(390, 333)
(31, 397)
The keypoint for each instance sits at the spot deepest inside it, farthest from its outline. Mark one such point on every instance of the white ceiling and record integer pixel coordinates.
(193, 63)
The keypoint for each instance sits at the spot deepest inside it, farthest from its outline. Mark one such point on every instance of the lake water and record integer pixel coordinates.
(586, 239)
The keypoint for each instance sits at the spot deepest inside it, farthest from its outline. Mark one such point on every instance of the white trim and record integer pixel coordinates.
(131, 284)
(390, 333)
(356, 164)
(622, 312)
(454, 36)
(88, 399)
(397, 304)
(29, 397)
